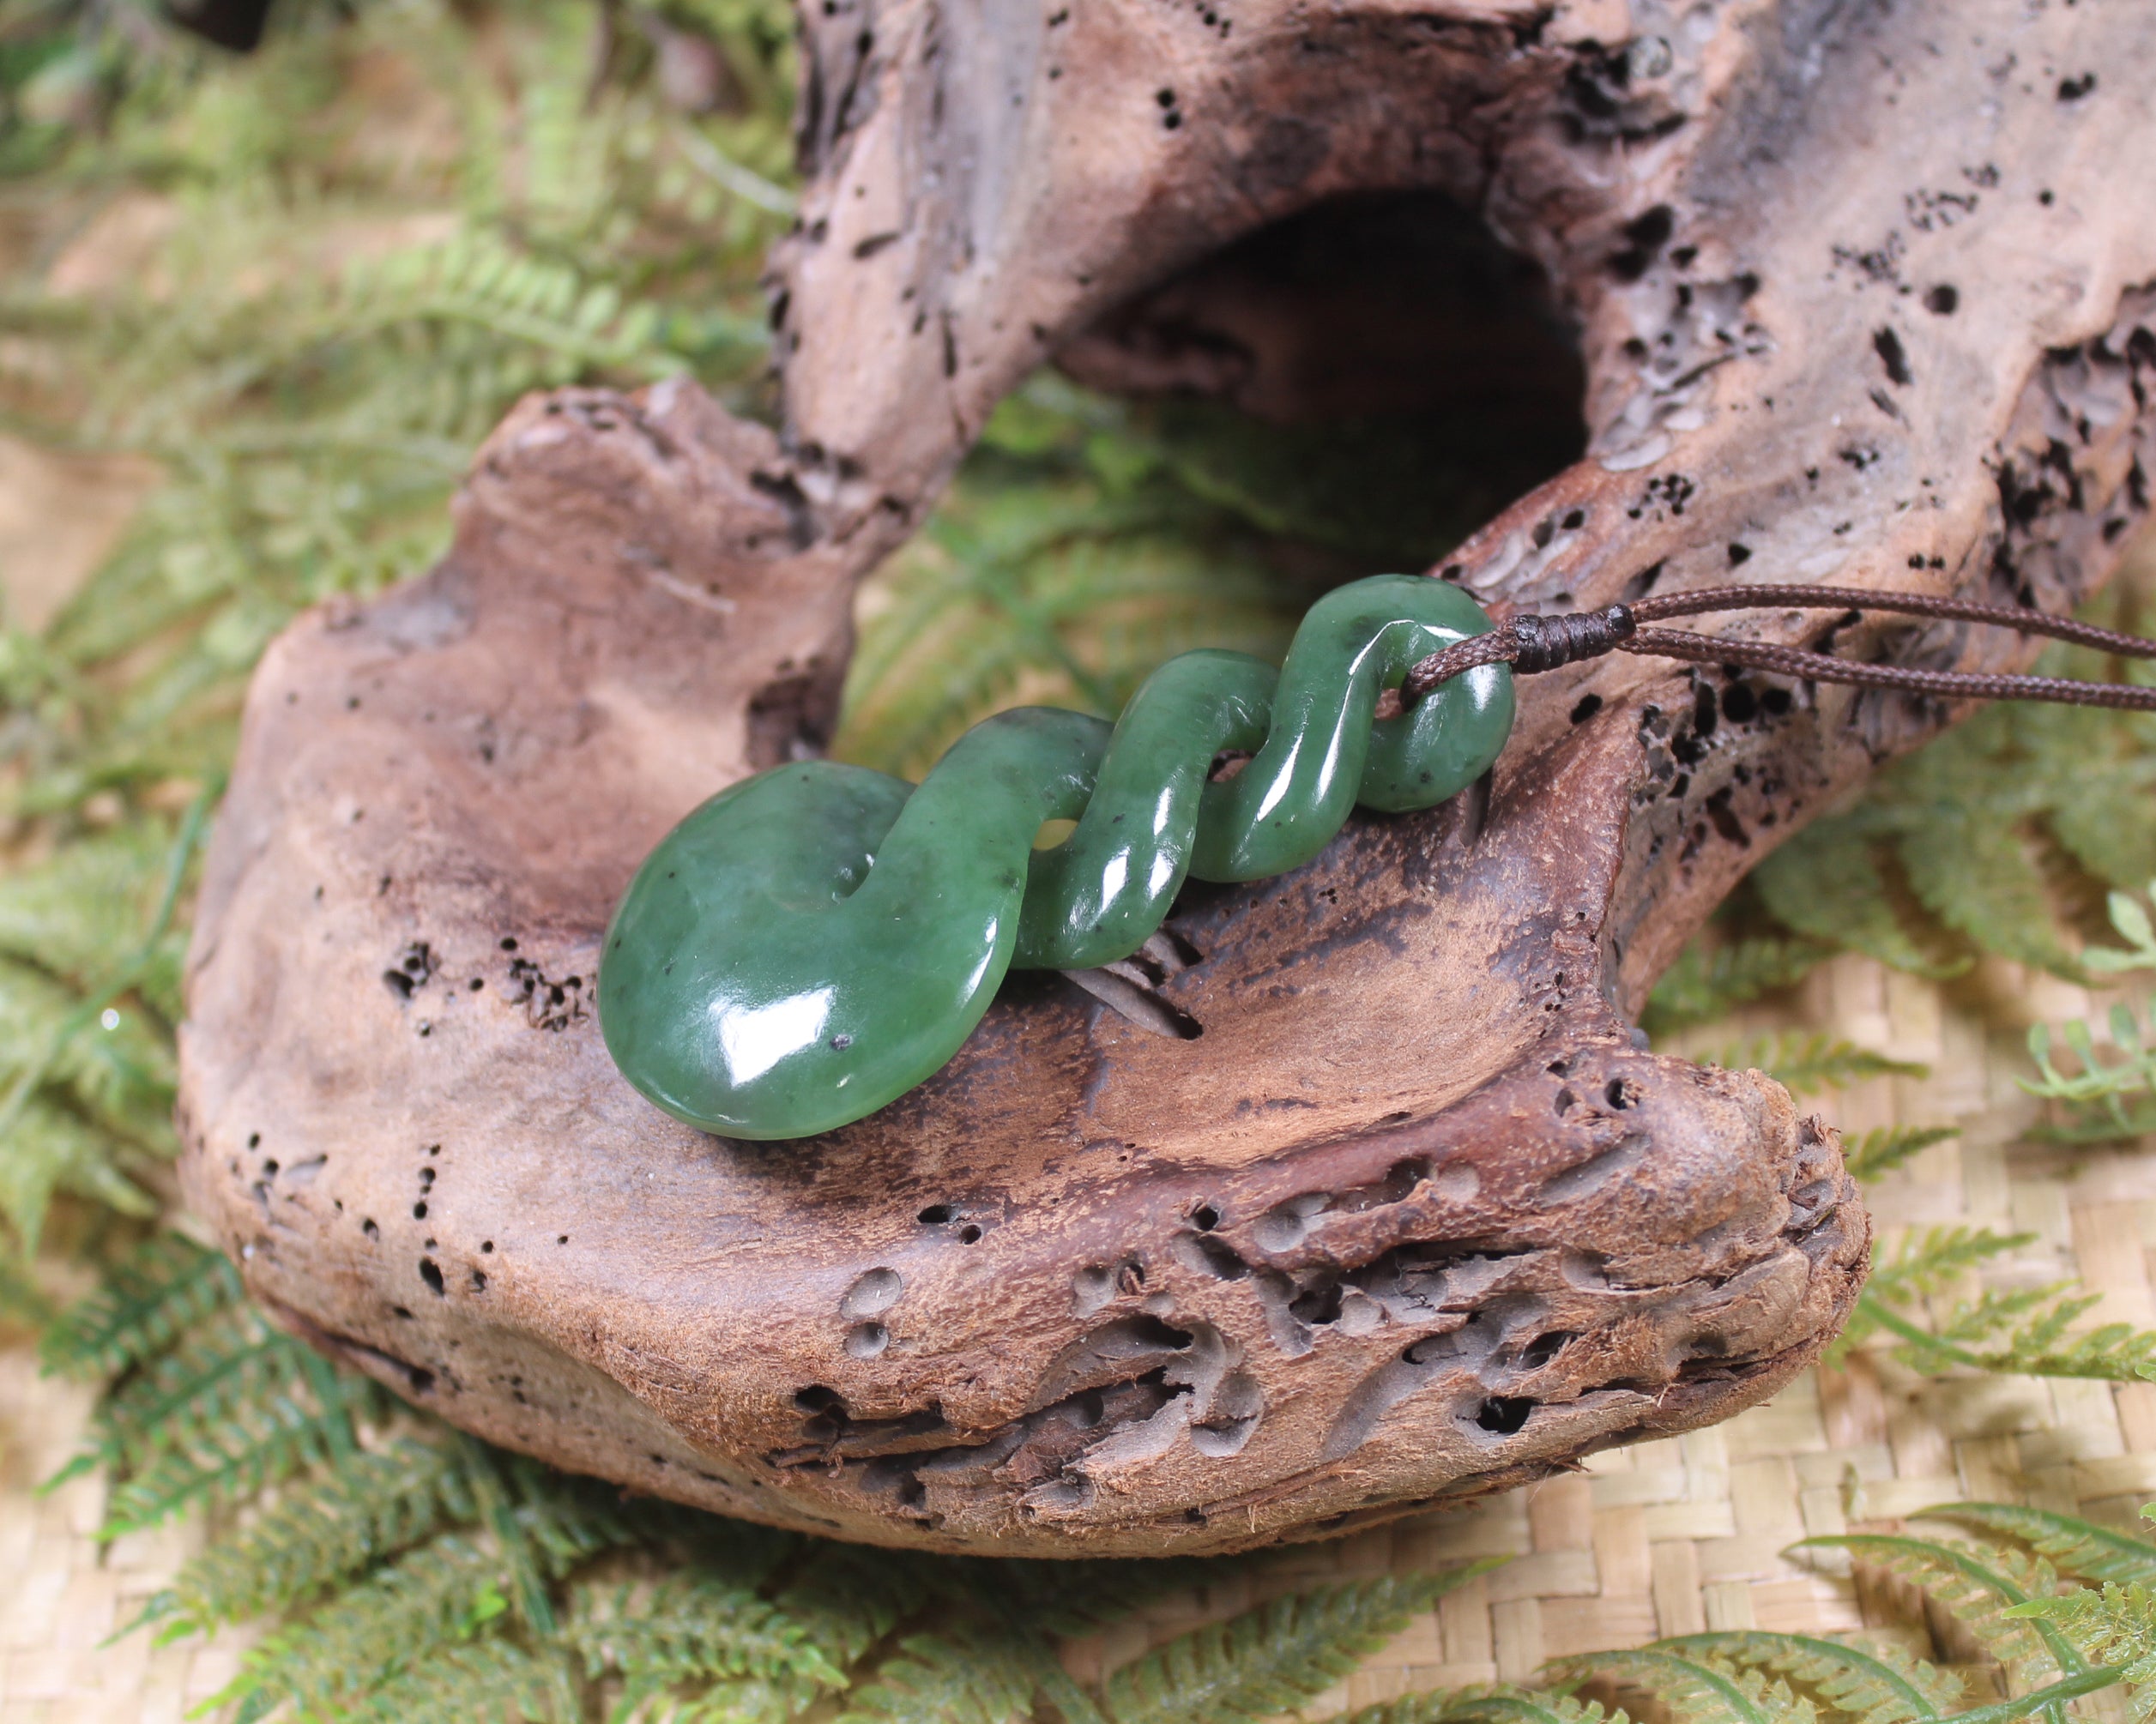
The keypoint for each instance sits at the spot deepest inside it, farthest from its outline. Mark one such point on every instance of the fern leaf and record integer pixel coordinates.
(689, 1628)
(1885, 1147)
(73, 916)
(2115, 1626)
(49, 1149)
(1824, 884)
(2070, 1544)
(1808, 1063)
(1268, 1660)
(1977, 822)
(2104, 814)
(1883, 1685)
(1974, 872)
(119, 1074)
(1922, 1260)
(1077, 1597)
(1695, 1691)
(140, 1308)
(846, 1600)
(288, 1410)
(1707, 981)
(446, 1590)
(366, 1507)
(2099, 1091)
(21, 1299)
(2130, 921)
(955, 1676)
(1979, 1584)
(493, 1678)
(1493, 1704)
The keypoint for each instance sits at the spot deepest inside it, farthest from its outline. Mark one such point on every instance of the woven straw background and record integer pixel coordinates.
(1667, 1538)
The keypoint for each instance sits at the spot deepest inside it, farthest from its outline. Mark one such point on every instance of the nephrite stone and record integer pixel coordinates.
(812, 942)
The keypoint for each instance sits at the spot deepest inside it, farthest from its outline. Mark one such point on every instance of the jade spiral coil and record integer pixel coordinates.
(813, 942)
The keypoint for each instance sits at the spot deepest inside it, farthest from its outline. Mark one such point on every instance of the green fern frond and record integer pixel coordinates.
(1991, 836)
(232, 1358)
(61, 913)
(1979, 1584)
(1695, 1691)
(1922, 1260)
(1081, 1596)
(1808, 1063)
(954, 1677)
(1827, 887)
(2098, 1093)
(2114, 1626)
(1495, 1704)
(2112, 1352)
(23, 1301)
(366, 1507)
(2130, 920)
(1865, 1685)
(2072, 1545)
(46, 1149)
(288, 1410)
(454, 1586)
(846, 1600)
(140, 1308)
(493, 1678)
(691, 1629)
(1885, 1147)
(1708, 980)
(1270, 1659)
(1974, 874)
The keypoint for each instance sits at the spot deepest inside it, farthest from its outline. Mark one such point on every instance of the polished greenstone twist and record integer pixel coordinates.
(811, 944)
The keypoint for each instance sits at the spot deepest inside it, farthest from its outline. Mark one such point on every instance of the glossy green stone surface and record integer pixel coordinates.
(812, 942)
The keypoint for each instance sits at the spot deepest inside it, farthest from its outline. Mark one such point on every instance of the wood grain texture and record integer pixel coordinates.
(1414, 1219)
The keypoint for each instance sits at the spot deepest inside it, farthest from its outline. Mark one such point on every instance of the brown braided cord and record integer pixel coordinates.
(1772, 598)
(1954, 685)
(1535, 644)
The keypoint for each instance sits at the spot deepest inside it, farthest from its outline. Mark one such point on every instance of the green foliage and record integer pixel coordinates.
(1885, 1147)
(695, 1628)
(1879, 1685)
(1087, 540)
(2101, 1097)
(297, 323)
(333, 1526)
(1807, 1064)
(1710, 977)
(2115, 1624)
(2026, 1330)
(1977, 1584)
(1701, 1688)
(2074, 1546)
(1494, 1704)
(1269, 1659)
(23, 1301)
(962, 1678)
(1997, 839)
(455, 1588)
(2129, 919)
(141, 1309)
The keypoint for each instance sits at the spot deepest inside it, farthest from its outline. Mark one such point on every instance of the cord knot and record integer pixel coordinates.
(1545, 642)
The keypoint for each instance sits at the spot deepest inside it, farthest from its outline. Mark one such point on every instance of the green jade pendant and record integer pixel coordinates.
(811, 944)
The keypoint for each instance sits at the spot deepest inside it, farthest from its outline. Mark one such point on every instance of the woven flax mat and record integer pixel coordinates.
(1665, 1538)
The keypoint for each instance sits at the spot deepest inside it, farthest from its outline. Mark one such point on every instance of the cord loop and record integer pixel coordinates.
(1530, 643)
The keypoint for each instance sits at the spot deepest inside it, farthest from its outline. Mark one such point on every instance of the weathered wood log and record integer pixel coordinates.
(1863, 296)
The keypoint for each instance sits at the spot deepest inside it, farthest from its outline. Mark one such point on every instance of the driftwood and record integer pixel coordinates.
(1862, 295)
